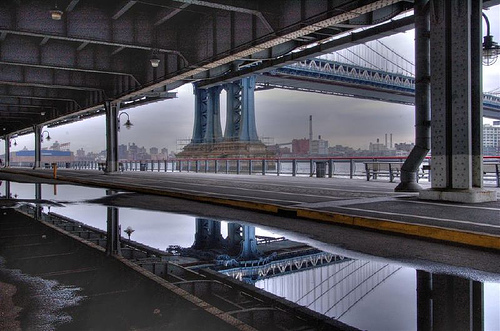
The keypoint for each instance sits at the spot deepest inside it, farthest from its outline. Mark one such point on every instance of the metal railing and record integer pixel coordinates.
(348, 167)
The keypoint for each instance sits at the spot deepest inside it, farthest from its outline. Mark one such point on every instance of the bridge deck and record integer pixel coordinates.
(372, 205)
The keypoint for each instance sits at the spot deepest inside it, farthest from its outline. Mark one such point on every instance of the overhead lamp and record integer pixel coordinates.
(155, 60)
(491, 49)
(42, 113)
(128, 125)
(56, 13)
(48, 136)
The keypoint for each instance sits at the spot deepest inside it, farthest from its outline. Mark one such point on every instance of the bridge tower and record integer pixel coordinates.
(240, 134)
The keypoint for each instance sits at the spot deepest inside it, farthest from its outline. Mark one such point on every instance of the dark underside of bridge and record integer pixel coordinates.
(59, 65)
(55, 71)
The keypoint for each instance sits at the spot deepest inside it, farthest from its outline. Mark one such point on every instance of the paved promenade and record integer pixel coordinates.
(355, 202)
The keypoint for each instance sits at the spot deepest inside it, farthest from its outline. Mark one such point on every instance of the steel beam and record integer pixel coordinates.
(7, 152)
(451, 99)
(68, 68)
(163, 17)
(111, 136)
(38, 145)
(71, 5)
(87, 41)
(123, 9)
(409, 170)
(352, 39)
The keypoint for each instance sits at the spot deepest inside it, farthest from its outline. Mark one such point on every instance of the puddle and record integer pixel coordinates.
(367, 294)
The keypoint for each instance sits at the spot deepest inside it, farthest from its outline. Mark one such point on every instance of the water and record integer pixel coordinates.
(367, 294)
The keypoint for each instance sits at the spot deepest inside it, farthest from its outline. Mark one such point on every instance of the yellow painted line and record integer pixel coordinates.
(424, 231)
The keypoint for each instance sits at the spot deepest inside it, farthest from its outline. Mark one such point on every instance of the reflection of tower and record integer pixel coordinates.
(208, 234)
(241, 242)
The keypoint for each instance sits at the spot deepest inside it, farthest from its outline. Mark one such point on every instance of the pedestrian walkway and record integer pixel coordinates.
(371, 205)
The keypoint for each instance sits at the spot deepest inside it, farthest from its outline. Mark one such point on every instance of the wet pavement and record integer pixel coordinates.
(395, 258)
(355, 202)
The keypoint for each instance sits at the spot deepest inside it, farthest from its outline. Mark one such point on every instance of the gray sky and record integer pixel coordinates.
(280, 114)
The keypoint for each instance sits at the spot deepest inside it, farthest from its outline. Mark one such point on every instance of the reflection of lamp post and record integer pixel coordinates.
(48, 136)
(127, 124)
(129, 231)
(491, 49)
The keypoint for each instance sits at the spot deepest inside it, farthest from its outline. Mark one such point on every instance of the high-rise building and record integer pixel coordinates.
(491, 138)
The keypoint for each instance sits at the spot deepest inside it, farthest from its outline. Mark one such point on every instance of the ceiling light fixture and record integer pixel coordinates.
(56, 13)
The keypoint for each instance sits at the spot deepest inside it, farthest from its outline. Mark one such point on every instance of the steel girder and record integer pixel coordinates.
(100, 50)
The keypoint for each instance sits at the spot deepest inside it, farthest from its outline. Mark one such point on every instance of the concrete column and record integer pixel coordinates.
(248, 130)
(7, 151)
(38, 145)
(200, 115)
(453, 83)
(213, 132)
(111, 136)
(233, 107)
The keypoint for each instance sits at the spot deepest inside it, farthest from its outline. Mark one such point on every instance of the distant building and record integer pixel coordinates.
(319, 147)
(122, 152)
(491, 138)
(153, 150)
(48, 156)
(339, 150)
(300, 146)
(377, 148)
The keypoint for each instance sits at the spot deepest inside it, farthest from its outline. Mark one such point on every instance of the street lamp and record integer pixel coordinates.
(491, 49)
(48, 136)
(56, 13)
(155, 60)
(127, 124)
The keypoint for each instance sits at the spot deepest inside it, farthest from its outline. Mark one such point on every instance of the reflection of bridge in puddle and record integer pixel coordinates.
(327, 283)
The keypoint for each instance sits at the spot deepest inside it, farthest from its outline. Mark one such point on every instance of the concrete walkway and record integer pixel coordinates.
(372, 205)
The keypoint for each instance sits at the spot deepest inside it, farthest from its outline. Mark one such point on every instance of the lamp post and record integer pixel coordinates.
(48, 136)
(491, 49)
(128, 125)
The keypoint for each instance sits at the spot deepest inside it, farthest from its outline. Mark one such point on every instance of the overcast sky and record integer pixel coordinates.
(282, 115)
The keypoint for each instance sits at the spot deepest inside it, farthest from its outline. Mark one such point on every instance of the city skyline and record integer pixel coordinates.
(280, 114)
